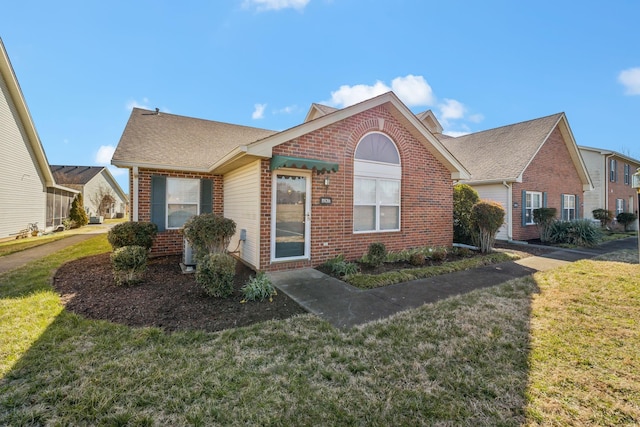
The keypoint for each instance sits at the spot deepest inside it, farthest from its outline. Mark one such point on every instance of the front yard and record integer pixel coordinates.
(557, 348)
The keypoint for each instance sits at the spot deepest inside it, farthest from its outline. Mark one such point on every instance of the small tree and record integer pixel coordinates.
(209, 233)
(102, 200)
(77, 213)
(604, 216)
(626, 218)
(464, 197)
(544, 218)
(487, 217)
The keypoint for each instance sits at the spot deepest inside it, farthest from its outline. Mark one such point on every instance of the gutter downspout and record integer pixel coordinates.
(509, 210)
(135, 193)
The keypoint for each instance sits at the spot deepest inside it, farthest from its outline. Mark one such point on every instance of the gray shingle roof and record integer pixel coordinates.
(502, 153)
(74, 175)
(177, 141)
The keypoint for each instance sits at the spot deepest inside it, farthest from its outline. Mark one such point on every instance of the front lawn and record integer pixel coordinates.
(559, 348)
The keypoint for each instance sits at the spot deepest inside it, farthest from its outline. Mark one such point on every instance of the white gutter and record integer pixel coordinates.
(509, 210)
(607, 179)
(134, 194)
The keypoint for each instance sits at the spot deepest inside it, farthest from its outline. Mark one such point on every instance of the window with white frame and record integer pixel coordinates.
(613, 173)
(533, 201)
(619, 206)
(568, 207)
(183, 200)
(627, 174)
(376, 185)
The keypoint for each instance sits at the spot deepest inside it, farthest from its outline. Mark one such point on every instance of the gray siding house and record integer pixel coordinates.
(28, 191)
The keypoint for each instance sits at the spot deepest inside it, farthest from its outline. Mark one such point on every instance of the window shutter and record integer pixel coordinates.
(578, 216)
(544, 199)
(158, 201)
(524, 208)
(206, 198)
(562, 207)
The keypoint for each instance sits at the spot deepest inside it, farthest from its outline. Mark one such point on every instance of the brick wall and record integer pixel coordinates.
(170, 242)
(426, 192)
(618, 189)
(551, 171)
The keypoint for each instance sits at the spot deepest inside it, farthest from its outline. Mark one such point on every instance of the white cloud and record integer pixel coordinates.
(104, 154)
(475, 118)
(413, 90)
(349, 95)
(132, 103)
(451, 109)
(630, 79)
(455, 133)
(262, 5)
(117, 171)
(288, 109)
(258, 113)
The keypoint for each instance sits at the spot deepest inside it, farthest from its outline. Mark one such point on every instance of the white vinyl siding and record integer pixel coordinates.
(499, 194)
(92, 188)
(594, 199)
(242, 204)
(22, 189)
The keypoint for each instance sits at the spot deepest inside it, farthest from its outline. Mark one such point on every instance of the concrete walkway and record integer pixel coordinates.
(18, 259)
(345, 306)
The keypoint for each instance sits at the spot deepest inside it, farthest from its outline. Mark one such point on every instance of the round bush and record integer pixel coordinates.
(464, 197)
(209, 233)
(487, 217)
(215, 273)
(376, 254)
(129, 264)
(132, 234)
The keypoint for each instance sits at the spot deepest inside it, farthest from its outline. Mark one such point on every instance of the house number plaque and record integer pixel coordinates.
(325, 200)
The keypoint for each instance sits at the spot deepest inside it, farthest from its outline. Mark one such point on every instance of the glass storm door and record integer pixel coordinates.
(291, 223)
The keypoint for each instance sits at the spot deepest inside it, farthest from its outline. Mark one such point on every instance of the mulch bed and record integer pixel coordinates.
(166, 298)
(173, 301)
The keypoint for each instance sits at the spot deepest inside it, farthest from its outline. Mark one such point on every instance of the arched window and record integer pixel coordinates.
(377, 177)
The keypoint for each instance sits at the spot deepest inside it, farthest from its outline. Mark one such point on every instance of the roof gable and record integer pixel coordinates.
(504, 153)
(76, 175)
(318, 110)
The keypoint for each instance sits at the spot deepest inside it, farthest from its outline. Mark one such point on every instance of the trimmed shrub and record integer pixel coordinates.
(209, 233)
(417, 259)
(258, 288)
(544, 217)
(132, 234)
(626, 219)
(376, 254)
(464, 197)
(129, 264)
(487, 218)
(580, 232)
(438, 254)
(77, 214)
(215, 273)
(604, 216)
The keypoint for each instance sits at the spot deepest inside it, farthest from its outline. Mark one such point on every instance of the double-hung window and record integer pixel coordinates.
(376, 185)
(613, 172)
(627, 174)
(183, 200)
(568, 207)
(533, 201)
(619, 206)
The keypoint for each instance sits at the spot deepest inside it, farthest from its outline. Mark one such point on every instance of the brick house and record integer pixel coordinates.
(343, 179)
(611, 173)
(525, 166)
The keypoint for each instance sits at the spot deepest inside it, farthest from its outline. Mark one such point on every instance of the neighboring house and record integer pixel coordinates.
(524, 166)
(100, 191)
(28, 190)
(611, 174)
(340, 181)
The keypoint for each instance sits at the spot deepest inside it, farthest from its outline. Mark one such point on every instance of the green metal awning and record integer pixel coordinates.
(320, 166)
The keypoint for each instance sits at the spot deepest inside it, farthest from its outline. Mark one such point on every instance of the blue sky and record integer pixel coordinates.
(83, 65)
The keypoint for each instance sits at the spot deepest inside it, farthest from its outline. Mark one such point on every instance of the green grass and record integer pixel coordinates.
(17, 245)
(514, 354)
(370, 281)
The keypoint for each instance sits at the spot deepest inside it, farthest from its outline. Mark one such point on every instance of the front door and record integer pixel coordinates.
(291, 218)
